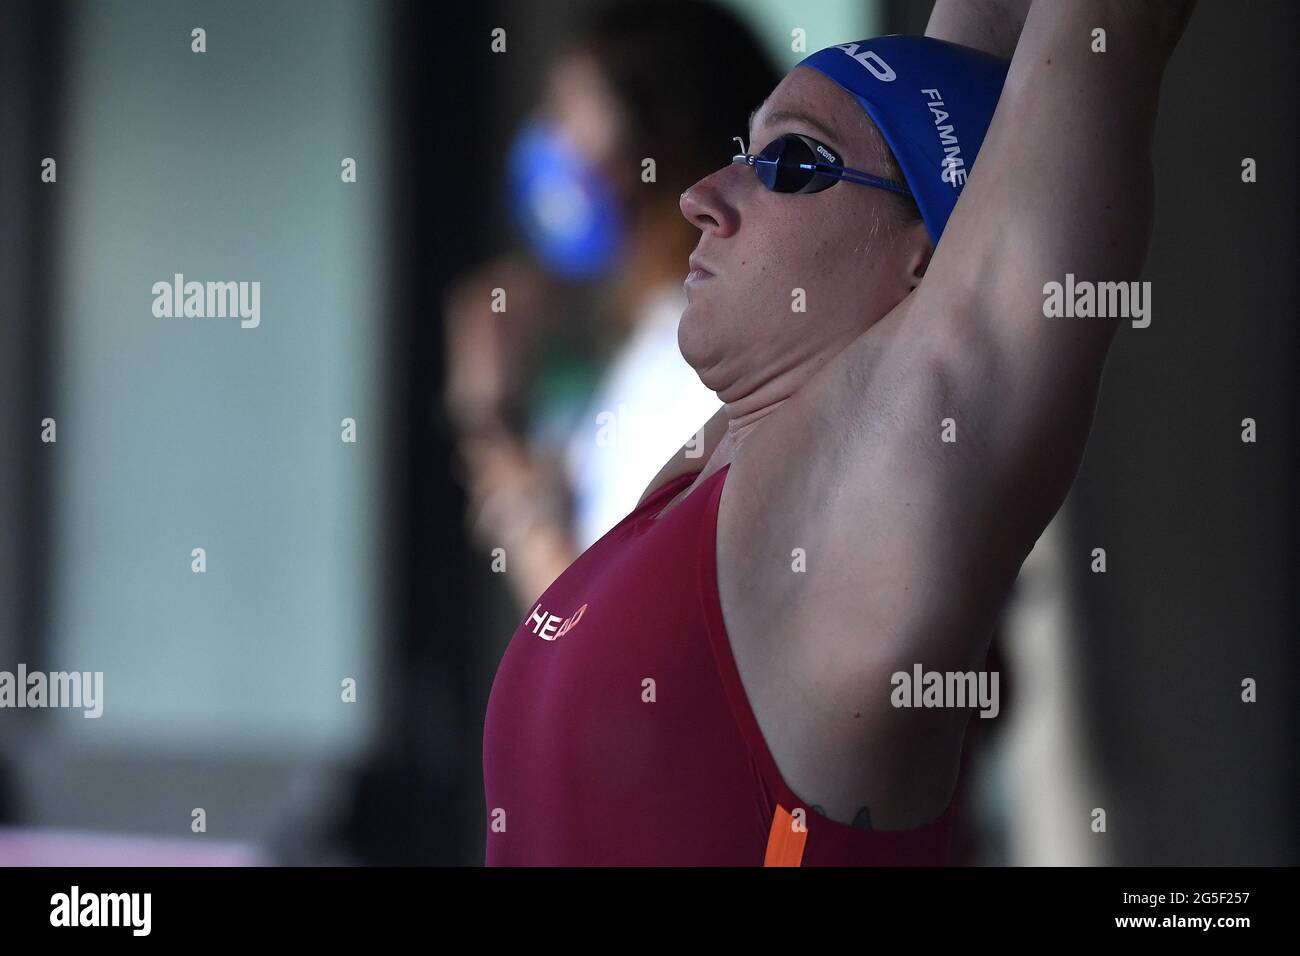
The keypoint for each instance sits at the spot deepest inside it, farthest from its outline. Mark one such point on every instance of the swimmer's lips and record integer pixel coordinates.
(698, 271)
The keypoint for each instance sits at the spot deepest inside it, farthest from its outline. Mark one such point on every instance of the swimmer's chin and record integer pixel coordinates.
(697, 336)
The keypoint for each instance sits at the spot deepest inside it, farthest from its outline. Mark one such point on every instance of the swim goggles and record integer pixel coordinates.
(794, 163)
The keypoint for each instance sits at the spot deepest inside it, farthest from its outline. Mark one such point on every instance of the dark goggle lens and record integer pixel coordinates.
(779, 162)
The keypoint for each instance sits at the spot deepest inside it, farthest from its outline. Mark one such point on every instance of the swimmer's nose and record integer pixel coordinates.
(707, 206)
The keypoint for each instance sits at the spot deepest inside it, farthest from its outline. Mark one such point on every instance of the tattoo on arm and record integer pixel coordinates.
(861, 819)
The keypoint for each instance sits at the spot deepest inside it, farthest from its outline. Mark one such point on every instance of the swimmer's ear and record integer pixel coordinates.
(919, 258)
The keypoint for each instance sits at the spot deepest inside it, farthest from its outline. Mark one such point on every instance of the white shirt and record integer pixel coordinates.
(648, 404)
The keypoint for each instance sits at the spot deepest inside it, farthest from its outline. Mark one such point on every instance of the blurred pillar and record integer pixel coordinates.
(31, 103)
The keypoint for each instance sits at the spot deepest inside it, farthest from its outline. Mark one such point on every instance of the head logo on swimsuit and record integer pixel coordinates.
(550, 627)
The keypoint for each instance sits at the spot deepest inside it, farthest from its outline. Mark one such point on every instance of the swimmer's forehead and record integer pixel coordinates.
(809, 97)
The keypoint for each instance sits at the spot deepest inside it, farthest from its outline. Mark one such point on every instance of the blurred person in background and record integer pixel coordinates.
(569, 400)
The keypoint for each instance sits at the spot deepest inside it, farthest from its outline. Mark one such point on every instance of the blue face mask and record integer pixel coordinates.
(565, 209)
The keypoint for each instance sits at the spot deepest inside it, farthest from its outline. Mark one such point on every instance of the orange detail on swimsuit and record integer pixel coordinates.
(784, 842)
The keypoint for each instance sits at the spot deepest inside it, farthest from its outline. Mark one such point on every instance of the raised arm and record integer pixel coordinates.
(1062, 192)
(1063, 185)
(990, 25)
(947, 435)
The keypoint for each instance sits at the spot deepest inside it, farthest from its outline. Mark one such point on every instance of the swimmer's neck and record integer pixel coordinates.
(741, 422)
(747, 413)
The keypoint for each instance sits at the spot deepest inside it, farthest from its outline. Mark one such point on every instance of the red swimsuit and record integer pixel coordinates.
(618, 731)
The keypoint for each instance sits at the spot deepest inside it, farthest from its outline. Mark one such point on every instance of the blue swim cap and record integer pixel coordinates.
(931, 100)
